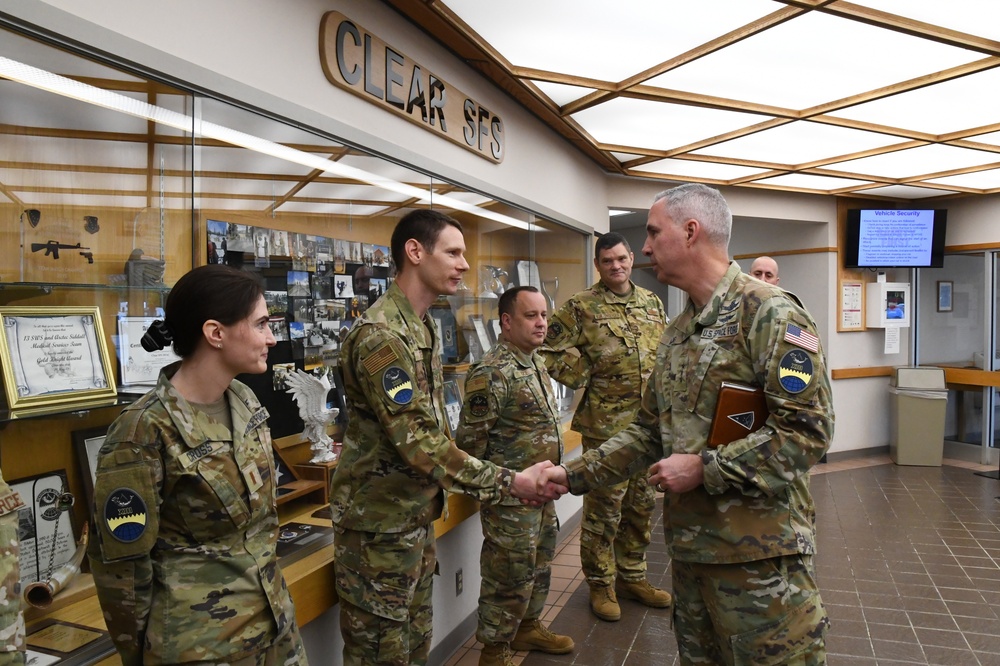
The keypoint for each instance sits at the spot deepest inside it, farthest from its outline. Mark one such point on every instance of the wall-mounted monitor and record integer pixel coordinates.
(890, 238)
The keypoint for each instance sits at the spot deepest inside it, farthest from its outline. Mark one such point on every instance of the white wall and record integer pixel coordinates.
(268, 57)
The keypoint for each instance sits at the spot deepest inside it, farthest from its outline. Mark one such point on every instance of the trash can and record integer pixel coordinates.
(919, 400)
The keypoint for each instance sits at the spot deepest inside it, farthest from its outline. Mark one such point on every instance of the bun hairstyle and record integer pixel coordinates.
(157, 336)
(216, 291)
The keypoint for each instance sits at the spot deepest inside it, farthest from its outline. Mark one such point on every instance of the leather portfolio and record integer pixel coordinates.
(740, 411)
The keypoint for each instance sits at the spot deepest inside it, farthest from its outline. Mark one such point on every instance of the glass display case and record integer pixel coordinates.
(113, 185)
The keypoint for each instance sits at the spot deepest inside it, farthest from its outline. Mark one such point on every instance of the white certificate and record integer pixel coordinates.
(138, 366)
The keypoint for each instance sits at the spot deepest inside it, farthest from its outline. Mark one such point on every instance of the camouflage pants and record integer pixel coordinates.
(384, 583)
(615, 529)
(518, 547)
(286, 651)
(762, 613)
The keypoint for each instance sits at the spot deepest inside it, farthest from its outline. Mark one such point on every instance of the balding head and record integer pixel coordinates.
(765, 269)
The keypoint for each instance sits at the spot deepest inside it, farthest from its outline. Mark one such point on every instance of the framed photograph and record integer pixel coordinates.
(45, 528)
(479, 327)
(86, 445)
(53, 356)
(53, 641)
(944, 300)
(138, 366)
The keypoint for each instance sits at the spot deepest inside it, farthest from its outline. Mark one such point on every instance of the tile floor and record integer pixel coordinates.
(908, 564)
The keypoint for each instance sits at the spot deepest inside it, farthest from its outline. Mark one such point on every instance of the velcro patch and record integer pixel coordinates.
(397, 385)
(555, 330)
(795, 371)
(125, 515)
(477, 383)
(10, 502)
(479, 404)
(380, 359)
(192, 456)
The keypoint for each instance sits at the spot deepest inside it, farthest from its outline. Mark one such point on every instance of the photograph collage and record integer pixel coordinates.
(315, 287)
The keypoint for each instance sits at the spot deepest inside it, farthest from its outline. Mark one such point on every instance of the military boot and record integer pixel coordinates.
(643, 592)
(496, 654)
(533, 635)
(604, 603)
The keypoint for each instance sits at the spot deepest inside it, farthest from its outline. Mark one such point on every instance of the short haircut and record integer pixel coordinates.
(608, 241)
(702, 203)
(216, 291)
(509, 297)
(423, 226)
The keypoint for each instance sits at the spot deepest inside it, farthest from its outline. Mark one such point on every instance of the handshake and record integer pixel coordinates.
(540, 483)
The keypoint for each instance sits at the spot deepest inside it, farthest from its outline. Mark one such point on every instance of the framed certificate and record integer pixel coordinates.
(54, 355)
(139, 367)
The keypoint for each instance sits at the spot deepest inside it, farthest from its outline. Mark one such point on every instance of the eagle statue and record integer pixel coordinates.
(310, 394)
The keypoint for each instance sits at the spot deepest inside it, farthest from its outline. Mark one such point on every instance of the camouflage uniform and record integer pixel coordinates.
(11, 619)
(389, 484)
(748, 533)
(184, 551)
(616, 337)
(510, 418)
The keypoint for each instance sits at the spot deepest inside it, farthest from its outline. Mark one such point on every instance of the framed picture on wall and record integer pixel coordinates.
(86, 445)
(944, 297)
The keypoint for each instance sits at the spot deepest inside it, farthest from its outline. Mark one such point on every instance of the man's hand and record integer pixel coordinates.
(677, 473)
(533, 486)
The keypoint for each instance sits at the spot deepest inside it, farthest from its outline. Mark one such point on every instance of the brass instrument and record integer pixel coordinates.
(40, 594)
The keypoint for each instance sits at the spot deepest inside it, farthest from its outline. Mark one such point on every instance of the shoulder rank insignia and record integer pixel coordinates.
(795, 371)
(397, 385)
(125, 515)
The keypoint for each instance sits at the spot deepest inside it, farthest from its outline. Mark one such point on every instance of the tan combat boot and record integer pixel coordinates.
(532, 635)
(644, 593)
(496, 654)
(604, 603)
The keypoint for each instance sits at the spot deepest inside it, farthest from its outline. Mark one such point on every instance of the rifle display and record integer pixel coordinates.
(52, 248)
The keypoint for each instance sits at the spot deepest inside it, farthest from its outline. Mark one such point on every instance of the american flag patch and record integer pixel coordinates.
(801, 338)
(379, 359)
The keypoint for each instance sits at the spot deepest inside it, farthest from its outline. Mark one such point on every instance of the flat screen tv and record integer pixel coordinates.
(890, 238)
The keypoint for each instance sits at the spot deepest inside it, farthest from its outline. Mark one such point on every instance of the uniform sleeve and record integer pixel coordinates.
(485, 396)
(126, 512)
(11, 619)
(387, 372)
(635, 448)
(565, 333)
(790, 365)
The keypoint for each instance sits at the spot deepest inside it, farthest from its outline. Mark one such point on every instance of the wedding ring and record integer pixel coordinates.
(661, 488)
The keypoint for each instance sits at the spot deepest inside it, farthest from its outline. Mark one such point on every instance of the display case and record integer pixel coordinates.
(113, 185)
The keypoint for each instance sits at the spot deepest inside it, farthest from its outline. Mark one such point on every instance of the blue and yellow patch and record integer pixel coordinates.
(397, 385)
(125, 515)
(795, 371)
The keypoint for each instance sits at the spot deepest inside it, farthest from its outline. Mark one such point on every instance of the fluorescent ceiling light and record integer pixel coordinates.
(60, 85)
(614, 211)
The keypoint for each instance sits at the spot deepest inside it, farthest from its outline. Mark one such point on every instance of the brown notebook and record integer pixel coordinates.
(740, 411)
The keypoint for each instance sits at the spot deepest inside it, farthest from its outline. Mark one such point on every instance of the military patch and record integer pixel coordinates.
(125, 515)
(727, 331)
(10, 502)
(192, 456)
(379, 359)
(397, 385)
(801, 338)
(252, 476)
(795, 371)
(479, 405)
(477, 383)
(555, 330)
(259, 417)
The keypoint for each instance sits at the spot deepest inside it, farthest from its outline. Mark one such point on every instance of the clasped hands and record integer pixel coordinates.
(545, 481)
